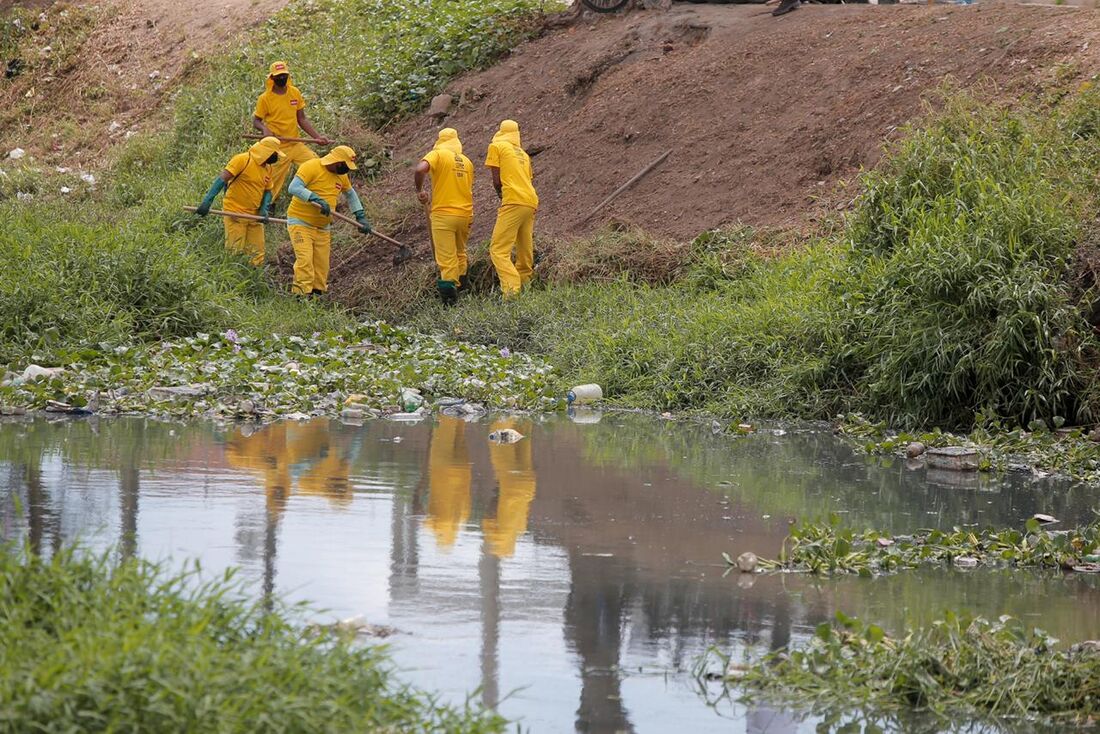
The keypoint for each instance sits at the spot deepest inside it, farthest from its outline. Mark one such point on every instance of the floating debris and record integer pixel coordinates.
(505, 435)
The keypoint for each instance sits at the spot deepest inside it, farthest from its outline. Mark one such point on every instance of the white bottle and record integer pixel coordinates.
(582, 394)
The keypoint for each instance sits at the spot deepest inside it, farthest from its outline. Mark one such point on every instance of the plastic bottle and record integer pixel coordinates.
(411, 399)
(582, 394)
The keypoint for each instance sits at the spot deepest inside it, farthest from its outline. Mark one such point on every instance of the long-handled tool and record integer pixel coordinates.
(257, 136)
(403, 252)
(238, 215)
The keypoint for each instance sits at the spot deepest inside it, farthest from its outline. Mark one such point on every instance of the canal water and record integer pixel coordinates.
(572, 579)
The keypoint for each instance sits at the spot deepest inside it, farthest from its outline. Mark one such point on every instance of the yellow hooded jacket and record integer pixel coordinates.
(506, 153)
(251, 177)
(280, 111)
(452, 176)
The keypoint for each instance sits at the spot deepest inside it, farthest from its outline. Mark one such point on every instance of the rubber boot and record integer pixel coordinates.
(786, 6)
(447, 292)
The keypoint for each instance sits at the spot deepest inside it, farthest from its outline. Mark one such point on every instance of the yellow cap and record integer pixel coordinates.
(341, 154)
(263, 149)
(279, 67)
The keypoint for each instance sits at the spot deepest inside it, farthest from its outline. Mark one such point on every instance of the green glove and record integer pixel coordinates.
(364, 225)
(265, 206)
(208, 201)
(321, 203)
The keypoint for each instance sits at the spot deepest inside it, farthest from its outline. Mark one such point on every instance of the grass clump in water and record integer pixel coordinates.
(959, 667)
(825, 548)
(87, 644)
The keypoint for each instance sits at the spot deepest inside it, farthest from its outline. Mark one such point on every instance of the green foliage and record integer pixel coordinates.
(91, 645)
(274, 375)
(831, 548)
(947, 294)
(959, 667)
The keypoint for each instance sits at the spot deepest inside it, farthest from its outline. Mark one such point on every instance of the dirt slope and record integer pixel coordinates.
(121, 80)
(764, 116)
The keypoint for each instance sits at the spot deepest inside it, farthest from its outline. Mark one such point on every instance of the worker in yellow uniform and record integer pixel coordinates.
(515, 474)
(247, 181)
(316, 189)
(281, 112)
(449, 476)
(452, 208)
(510, 166)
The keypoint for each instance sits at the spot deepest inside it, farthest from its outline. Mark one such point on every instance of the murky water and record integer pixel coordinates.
(572, 579)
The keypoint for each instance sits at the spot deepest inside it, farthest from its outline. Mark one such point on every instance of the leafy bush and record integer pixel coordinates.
(91, 645)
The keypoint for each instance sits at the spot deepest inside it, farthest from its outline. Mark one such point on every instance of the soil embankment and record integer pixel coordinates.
(121, 78)
(766, 117)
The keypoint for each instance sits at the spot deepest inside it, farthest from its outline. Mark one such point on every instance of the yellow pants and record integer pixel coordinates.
(245, 238)
(515, 227)
(449, 235)
(296, 154)
(312, 247)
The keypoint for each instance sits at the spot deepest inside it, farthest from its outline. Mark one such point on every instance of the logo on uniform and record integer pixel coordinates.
(293, 103)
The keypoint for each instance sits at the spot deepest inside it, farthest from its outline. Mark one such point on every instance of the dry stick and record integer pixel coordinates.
(379, 235)
(257, 136)
(638, 177)
(238, 215)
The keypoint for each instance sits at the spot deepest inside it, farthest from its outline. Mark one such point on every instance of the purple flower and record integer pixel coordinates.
(506, 352)
(231, 337)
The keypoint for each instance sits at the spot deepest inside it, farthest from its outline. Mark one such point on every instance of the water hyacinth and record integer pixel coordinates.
(961, 667)
(273, 376)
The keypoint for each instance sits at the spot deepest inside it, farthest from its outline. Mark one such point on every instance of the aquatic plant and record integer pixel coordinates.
(959, 667)
(266, 376)
(88, 644)
(1038, 448)
(829, 547)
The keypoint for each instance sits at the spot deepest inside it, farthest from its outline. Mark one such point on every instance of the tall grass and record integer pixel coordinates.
(87, 644)
(945, 296)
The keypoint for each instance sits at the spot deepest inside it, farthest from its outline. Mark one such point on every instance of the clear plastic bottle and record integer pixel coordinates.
(582, 394)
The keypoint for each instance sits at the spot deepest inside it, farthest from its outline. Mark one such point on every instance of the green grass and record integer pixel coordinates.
(950, 292)
(120, 260)
(88, 644)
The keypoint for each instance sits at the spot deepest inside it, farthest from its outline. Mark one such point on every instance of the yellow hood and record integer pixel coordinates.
(262, 150)
(508, 133)
(278, 67)
(448, 140)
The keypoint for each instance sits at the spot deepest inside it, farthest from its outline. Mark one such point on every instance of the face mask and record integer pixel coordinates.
(272, 160)
(342, 168)
(281, 80)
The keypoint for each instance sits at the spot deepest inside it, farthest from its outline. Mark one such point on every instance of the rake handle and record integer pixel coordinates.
(379, 235)
(238, 215)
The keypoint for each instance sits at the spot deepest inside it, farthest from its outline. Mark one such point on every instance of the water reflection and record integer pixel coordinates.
(582, 562)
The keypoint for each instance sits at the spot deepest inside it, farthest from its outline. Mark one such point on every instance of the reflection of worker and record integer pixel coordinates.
(516, 481)
(280, 112)
(316, 190)
(452, 208)
(280, 449)
(448, 481)
(246, 181)
(515, 227)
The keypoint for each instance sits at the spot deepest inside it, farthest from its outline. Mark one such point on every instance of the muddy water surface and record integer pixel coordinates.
(572, 579)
